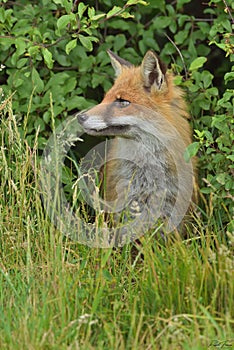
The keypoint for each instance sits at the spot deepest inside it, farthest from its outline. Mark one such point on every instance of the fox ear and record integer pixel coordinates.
(118, 63)
(153, 71)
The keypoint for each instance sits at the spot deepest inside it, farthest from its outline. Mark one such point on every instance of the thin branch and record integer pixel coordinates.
(201, 20)
(11, 3)
(179, 52)
(55, 43)
(35, 43)
(56, 68)
(12, 37)
(228, 10)
(75, 4)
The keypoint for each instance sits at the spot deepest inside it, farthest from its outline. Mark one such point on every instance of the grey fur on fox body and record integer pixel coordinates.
(147, 115)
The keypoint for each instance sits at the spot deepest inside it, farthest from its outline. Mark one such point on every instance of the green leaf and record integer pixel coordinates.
(173, 26)
(180, 3)
(229, 184)
(97, 79)
(67, 4)
(33, 51)
(207, 78)
(86, 42)
(220, 45)
(97, 17)
(206, 190)
(178, 79)
(39, 123)
(136, 2)
(37, 81)
(126, 15)
(213, 91)
(197, 63)
(120, 23)
(22, 62)
(161, 22)
(120, 42)
(46, 117)
(48, 58)
(77, 102)
(182, 19)
(200, 134)
(18, 82)
(191, 151)
(113, 12)
(2, 15)
(91, 12)
(231, 157)
(20, 45)
(81, 9)
(64, 20)
(70, 46)
(69, 85)
(228, 77)
(204, 103)
(221, 178)
(220, 123)
(181, 36)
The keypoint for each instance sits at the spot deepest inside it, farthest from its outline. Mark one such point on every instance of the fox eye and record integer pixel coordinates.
(121, 103)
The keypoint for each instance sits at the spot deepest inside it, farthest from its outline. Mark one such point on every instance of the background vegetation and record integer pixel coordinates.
(56, 294)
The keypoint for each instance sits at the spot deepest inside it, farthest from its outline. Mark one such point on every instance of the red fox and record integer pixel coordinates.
(145, 170)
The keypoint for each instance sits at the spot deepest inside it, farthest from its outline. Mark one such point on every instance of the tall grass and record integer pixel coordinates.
(57, 294)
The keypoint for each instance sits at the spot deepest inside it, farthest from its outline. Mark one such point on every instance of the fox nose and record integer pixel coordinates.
(82, 117)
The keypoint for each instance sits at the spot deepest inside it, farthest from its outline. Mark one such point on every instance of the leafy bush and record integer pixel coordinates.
(57, 49)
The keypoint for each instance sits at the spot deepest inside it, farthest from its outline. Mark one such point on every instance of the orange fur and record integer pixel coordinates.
(169, 103)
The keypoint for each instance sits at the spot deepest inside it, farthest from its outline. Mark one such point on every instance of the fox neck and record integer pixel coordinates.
(137, 170)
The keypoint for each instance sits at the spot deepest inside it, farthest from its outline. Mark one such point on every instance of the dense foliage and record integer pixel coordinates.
(56, 50)
(56, 293)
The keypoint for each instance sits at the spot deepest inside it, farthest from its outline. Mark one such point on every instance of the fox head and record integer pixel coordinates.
(139, 97)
